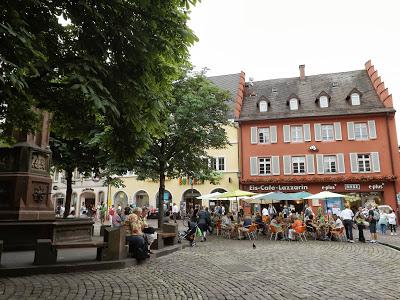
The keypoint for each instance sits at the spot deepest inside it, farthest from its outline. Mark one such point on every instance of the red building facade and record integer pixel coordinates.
(333, 132)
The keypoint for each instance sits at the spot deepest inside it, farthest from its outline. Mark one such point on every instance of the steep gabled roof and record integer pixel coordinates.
(231, 83)
(336, 85)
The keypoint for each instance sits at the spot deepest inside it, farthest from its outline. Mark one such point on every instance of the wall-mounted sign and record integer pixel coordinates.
(279, 187)
(376, 187)
(329, 187)
(87, 190)
(352, 186)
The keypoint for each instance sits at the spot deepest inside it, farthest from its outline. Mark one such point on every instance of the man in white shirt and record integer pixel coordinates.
(175, 211)
(347, 217)
(265, 211)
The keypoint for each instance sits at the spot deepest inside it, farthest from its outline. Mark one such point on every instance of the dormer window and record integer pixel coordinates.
(323, 102)
(294, 104)
(263, 106)
(355, 99)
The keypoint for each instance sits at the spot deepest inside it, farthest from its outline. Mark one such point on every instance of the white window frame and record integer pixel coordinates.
(294, 104)
(355, 99)
(296, 134)
(327, 162)
(298, 164)
(323, 102)
(215, 163)
(221, 165)
(364, 162)
(264, 135)
(263, 164)
(325, 130)
(263, 105)
(361, 131)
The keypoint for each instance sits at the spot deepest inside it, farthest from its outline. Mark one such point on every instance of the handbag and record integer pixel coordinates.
(149, 230)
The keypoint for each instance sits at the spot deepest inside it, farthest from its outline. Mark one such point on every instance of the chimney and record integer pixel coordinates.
(302, 72)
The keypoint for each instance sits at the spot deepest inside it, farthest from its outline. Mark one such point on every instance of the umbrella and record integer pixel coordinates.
(235, 194)
(325, 195)
(298, 195)
(212, 196)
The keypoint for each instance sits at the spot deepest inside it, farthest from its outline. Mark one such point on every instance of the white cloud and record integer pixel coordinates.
(269, 39)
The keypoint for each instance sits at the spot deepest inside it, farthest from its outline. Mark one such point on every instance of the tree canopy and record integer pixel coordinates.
(194, 122)
(109, 68)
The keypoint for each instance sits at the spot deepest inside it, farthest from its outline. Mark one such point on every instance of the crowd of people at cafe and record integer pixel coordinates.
(289, 224)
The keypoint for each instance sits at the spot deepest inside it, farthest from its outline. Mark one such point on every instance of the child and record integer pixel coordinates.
(392, 222)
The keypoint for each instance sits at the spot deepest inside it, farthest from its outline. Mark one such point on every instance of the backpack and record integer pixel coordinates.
(377, 215)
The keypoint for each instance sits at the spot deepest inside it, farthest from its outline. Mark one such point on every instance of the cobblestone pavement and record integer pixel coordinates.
(232, 269)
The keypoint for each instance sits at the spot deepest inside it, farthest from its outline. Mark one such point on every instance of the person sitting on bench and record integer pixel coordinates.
(134, 235)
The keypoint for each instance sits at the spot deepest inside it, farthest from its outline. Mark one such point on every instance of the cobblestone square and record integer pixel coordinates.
(232, 269)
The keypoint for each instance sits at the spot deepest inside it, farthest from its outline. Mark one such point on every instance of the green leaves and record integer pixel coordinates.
(194, 120)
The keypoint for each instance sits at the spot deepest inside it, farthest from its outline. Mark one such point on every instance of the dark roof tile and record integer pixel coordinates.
(230, 83)
(307, 91)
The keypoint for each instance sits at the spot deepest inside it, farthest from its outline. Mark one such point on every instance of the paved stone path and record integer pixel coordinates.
(231, 269)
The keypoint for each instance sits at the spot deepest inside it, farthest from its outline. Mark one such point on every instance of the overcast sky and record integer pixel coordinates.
(269, 38)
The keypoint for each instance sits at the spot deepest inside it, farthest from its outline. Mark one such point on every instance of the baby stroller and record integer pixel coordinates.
(190, 234)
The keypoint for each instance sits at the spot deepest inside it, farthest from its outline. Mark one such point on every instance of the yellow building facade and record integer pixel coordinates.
(183, 191)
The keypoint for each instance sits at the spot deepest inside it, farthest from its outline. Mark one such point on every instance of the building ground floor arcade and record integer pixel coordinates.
(360, 193)
(182, 191)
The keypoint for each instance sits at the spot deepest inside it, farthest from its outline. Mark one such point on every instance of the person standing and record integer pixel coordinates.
(175, 211)
(383, 220)
(373, 217)
(264, 211)
(360, 219)
(202, 215)
(392, 222)
(347, 217)
(103, 210)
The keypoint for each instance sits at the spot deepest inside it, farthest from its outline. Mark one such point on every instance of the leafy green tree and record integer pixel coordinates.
(194, 122)
(115, 59)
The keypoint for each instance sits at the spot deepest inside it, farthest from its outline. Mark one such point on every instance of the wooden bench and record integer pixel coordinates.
(164, 239)
(112, 248)
(46, 250)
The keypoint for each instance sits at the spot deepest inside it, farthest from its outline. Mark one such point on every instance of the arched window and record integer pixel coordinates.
(294, 104)
(323, 101)
(263, 106)
(355, 99)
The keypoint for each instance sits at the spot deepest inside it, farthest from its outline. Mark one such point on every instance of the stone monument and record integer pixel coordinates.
(26, 209)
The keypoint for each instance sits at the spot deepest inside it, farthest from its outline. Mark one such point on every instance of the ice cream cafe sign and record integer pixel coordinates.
(281, 188)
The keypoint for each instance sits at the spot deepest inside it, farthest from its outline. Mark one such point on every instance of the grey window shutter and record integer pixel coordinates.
(340, 163)
(376, 167)
(372, 129)
(273, 134)
(253, 166)
(310, 164)
(286, 133)
(338, 131)
(320, 164)
(317, 132)
(350, 131)
(287, 165)
(353, 162)
(276, 170)
(307, 132)
(254, 135)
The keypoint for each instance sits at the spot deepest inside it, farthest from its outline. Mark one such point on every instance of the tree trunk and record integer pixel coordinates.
(160, 201)
(69, 192)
